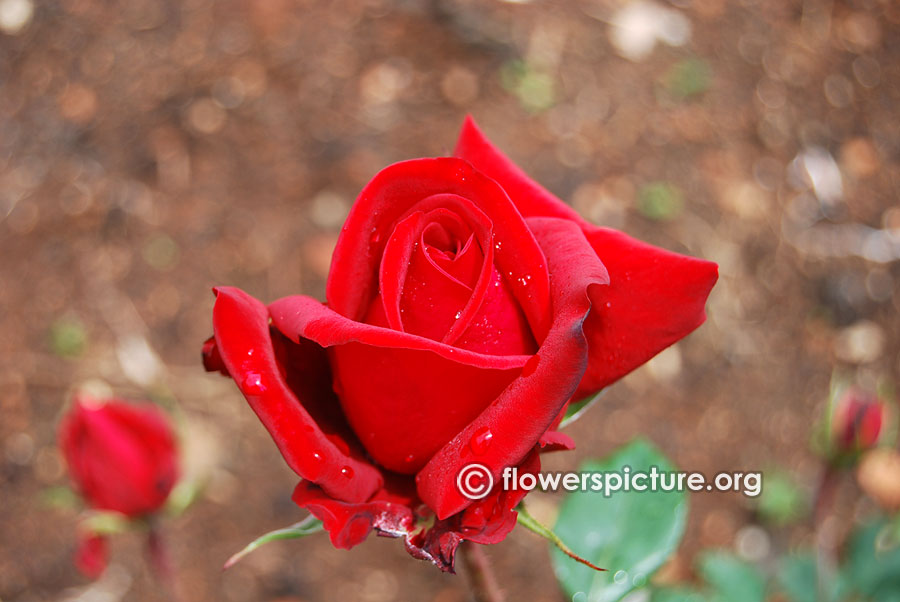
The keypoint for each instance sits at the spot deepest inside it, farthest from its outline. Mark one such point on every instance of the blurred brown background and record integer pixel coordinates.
(150, 149)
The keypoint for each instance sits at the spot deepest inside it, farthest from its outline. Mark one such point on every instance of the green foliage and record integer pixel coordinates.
(67, 337)
(307, 526)
(660, 201)
(731, 579)
(533, 87)
(688, 78)
(629, 533)
(781, 501)
(577, 409)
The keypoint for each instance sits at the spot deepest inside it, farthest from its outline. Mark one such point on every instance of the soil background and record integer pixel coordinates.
(152, 149)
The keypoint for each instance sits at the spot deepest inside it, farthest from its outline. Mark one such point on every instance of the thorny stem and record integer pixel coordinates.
(482, 581)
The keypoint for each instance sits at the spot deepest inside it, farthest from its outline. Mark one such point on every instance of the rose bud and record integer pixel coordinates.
(466, 308)
(121, 458)
(857, 421)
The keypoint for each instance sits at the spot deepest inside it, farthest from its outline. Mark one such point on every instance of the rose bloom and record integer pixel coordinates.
(466, 308)
(857, 422)
(121, 458)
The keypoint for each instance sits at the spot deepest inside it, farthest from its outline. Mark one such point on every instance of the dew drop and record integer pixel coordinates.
(531, 365)
(409, 459)
(250, 352)
(252, 384)
(347, 472)
(620, 577)
(481, 440)
(458, 314)
(608, 304)
(315, 466)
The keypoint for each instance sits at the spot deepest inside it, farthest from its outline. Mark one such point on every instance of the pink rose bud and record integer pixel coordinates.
(857, 421)
(121, 458)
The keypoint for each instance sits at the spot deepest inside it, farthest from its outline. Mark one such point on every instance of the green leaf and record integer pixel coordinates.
(629, 533)
(307, 526)
(68, 337)
(579, 408)
(797, 577)
(532, 524)
(660, 201)
(668, 594)
(533, 87)
(60, 497)
(688, 78)
(731, 579)
(105, 522)
(781, 501)
(872, 568)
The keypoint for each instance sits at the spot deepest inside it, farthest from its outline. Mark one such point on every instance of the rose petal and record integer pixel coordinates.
(92, 555)
(212, 361)
(485, 521)
(654, 298)
(241, 325)
(556, 441)
(121, 456)
(386, 381)
(526, 409)
(532, 199)
(352, 282)
(389, 512)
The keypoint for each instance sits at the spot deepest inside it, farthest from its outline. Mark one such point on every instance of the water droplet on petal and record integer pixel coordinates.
(458, 314)
(409, 459)
(252, 384)
(481, 440)
(315, 466)
(608, 304)
(347, 472)
(531, 365)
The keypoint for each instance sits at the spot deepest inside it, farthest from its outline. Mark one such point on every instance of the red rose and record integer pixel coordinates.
(466, 307)
(122, 458)
(857, 421)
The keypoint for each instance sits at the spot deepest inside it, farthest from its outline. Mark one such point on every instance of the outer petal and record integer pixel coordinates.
(91, 555)
(241, 325)
(655, 297)
(386, 381)
(348, 524)
(486, 521)
(392, 512)
(518, 418)
(532, 199)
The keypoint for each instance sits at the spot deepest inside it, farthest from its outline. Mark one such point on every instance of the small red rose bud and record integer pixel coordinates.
(92, 555)
(121, 456)
(857, 421)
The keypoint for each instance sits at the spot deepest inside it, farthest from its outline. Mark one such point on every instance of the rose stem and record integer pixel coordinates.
(160, 563)
(482, 581)
(825, 544)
